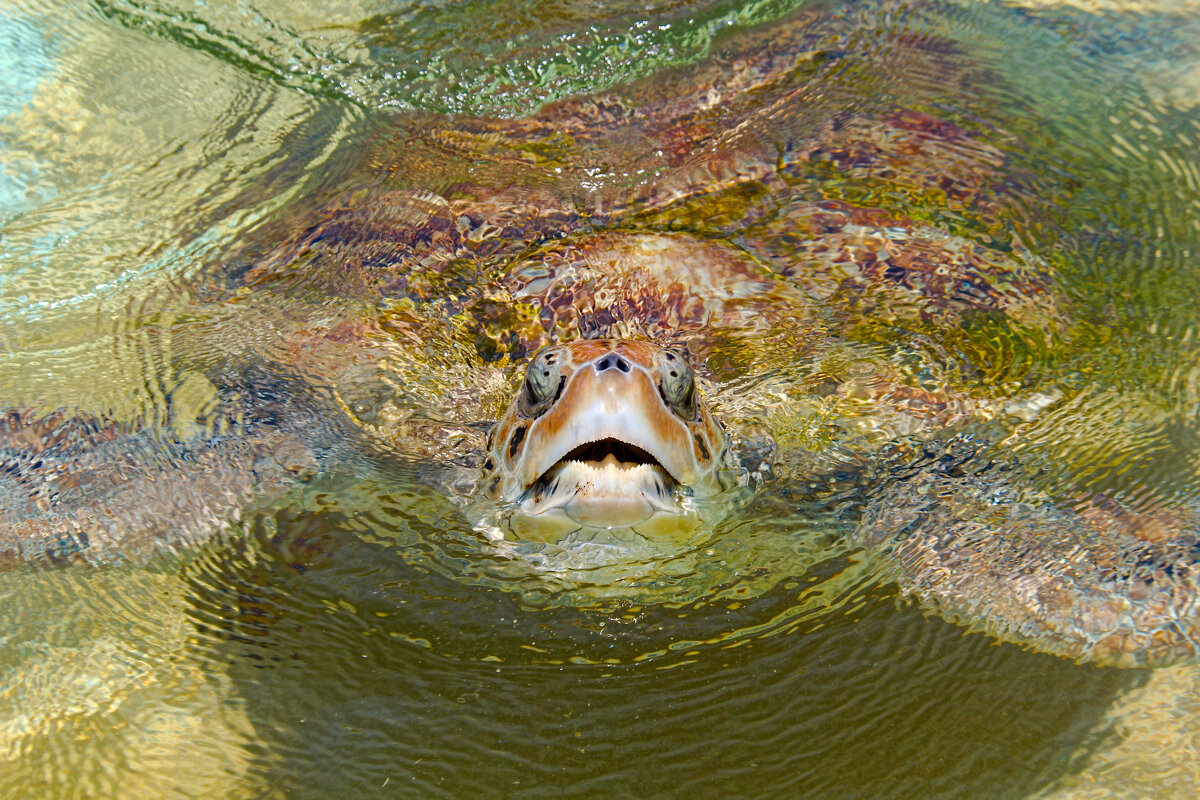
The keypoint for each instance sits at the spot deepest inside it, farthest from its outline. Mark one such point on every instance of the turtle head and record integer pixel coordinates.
(609, 434)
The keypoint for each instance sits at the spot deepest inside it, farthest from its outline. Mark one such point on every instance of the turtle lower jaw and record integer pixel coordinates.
(609, 493)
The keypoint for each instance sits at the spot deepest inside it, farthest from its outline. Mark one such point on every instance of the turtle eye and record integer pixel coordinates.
(678, 383)
(542, 377)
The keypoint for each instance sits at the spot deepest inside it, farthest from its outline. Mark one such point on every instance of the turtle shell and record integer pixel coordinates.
(743, 208)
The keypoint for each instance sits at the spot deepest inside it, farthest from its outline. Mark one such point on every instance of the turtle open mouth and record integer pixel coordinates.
(622, 452)
(606, 483)
(606, 468)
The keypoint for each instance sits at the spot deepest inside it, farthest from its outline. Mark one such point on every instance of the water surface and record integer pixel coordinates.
(357, 635)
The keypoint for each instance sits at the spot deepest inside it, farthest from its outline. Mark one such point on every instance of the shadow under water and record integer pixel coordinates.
(446, 690)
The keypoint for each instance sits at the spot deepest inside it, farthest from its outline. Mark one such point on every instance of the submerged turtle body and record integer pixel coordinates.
(716, 219)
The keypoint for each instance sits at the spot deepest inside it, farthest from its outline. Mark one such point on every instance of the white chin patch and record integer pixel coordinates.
(601, 494)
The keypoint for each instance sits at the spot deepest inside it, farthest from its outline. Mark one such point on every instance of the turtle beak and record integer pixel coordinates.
(610, 412)
(609, 453)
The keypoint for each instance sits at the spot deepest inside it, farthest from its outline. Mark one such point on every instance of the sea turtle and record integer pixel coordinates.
(680, 294)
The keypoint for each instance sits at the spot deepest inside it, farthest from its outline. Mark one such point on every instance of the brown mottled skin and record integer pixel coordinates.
(808, 308)
(109, 494)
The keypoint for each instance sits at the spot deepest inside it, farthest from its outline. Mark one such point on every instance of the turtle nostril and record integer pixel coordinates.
(611, 361)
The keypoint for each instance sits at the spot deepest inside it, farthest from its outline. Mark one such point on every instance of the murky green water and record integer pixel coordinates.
(355, 633)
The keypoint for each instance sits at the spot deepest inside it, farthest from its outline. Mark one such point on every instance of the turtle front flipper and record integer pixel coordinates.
(1089, 580)
(78, 488)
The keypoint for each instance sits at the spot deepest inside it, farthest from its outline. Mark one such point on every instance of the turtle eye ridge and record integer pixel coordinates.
(541, 377)
(678, 384)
